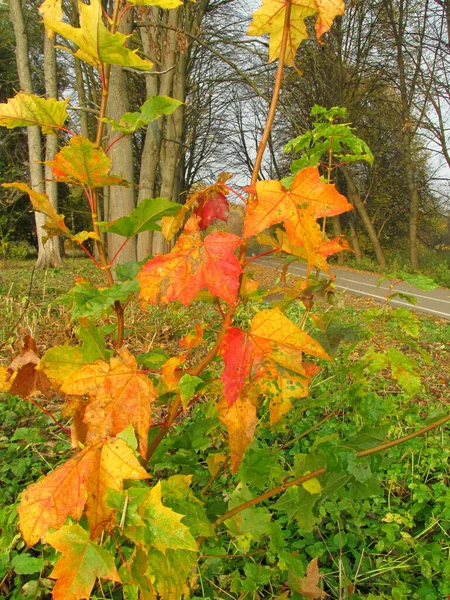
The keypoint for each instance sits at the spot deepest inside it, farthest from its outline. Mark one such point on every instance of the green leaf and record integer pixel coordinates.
(298, 504)
(128, 435)
(251, 522)
(25, 564)
(170, 571)
(178, 496)
(85, 300)
(151, 110)
(420, 281)
(260, 467)
(162, 527)
(93, 337)
(404, 370)
(153, 360)
(187, 386)
(144, 217)
(25, 110)
(96, 44)
(129, 270)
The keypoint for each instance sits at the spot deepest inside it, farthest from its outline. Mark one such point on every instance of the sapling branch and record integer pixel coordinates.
(318, 472)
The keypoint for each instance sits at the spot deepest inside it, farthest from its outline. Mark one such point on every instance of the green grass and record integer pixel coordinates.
(382, 533)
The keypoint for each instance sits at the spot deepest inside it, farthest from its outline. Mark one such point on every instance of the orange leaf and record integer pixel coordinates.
(82, 480)
(25, 380)
(193, 264)
(121, 396)
(298, 208)
(169, 372)
(81, 563)
(308, 586)
(82, 162)
(270, 19)
(270, 354)
(240, 421)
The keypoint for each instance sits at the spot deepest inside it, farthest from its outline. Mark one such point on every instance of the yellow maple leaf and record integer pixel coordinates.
(271, 16)
(80, 482)
(96, 44)
(120, 396)
(240, 420)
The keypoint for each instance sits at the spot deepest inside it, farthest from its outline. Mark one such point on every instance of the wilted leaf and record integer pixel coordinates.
(193, 264)
(308, 586)
(96, 45)
(81, 481)
(152, 108)
(240, 421)
(83, 163)
(25, 379)
(25, 110)
(145, 217)
(81, 563)
(120, 396)
(41, 203)
(270, 19)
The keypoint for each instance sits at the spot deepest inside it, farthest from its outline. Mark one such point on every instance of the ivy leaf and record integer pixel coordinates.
(270, 19)
(240, 421)
(82, 562)
(121, 396)
(193, 264)
(81, 481)
(151, 110)
(25, 110)
(83, 163)
(41, 203)
(96, 45)
(144, 217)
(270, 352)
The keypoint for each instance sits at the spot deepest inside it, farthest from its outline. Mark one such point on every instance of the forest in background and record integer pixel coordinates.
(386, 62)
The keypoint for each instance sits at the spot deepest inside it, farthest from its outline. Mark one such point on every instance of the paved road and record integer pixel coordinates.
(435, 302)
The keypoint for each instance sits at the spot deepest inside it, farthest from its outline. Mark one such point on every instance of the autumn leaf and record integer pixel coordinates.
(308, 586)
(193, 264)
(269, 355)
(83, 163)
(317, 256)
(240, 421)
(80, 482)
(271, 16)
(25, 110)
(96, 45)
(170, 572)
(298, 208)
(25, 379)
(120, 396)
(81, 563)
(41, 203)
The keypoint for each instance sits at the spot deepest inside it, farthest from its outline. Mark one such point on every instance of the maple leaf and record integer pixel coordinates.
(80, 482)
(55, 224)
(298, 208)
(82, 561)
(308, 586)
(271, 16)
(25, 379)
(170, 572)
(153, 107)
(271, 355)
(83, 163)
(240, 420)
(144, 217)
(121, 396)
(317, 256)
(26, 110)
(193, 264)
(96, 44)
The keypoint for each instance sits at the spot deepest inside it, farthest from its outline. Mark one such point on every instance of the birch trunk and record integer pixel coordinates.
(46, 257)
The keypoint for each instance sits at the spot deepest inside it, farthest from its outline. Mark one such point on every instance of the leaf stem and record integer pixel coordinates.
(299, 480)
(49, 414)
(249, 260)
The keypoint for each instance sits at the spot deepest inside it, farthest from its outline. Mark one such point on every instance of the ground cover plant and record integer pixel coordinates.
(192, 452)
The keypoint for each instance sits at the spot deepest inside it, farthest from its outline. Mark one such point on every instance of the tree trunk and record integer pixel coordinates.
(337, 232)
(51, 141)
(121, 198)
(354, 237)
(46, 256)
(355, 199)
